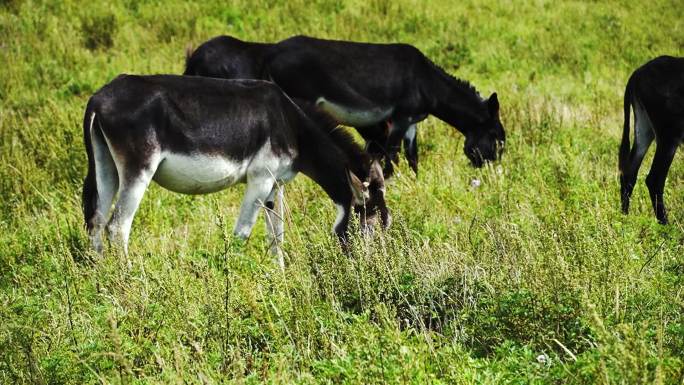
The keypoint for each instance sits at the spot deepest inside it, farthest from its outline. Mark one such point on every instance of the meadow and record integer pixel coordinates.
(533, 277)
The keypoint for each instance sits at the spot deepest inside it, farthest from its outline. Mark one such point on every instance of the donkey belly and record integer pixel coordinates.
(199, 174)
(354, 117)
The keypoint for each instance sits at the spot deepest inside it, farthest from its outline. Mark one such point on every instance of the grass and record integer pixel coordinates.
(471, 285)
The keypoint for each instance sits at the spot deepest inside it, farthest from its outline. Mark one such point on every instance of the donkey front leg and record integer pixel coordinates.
(256, 194)
(275, 225)
(656, 178)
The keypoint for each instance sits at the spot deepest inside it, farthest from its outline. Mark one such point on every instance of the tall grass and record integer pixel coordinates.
(533, 277)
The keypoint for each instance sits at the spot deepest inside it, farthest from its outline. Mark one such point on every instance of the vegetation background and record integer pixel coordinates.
(533, 277)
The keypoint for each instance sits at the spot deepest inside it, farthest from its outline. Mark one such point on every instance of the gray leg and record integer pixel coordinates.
(131, 191)
(107, 184)
(258, 190)
(275, 225)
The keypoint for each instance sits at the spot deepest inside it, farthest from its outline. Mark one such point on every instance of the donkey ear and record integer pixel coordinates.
(376, 174)
(357, 187)
(493, 104)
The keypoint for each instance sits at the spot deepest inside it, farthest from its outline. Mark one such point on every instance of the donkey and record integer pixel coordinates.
(196, 135)
(384, 90)
(656, 93)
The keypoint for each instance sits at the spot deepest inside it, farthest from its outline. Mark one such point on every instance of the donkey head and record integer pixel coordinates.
(369, 198)
(485, 142)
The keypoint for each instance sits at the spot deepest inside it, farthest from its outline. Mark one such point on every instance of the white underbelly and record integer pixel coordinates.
(199, 174)
(353, 117)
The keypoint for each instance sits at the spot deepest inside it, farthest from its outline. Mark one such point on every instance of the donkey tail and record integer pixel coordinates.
(624, 146)
(89, 198)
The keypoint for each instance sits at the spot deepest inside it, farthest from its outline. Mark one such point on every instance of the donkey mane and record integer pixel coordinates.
(461, 84)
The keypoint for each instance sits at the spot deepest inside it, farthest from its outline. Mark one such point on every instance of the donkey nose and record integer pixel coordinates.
(500, 147)
(476, 161)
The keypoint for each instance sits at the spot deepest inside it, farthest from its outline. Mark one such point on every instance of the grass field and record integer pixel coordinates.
(534, 277)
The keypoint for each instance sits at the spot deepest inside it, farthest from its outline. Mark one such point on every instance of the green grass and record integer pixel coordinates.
(469, 286)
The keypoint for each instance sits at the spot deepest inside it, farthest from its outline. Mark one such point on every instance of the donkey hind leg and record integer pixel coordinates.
(411, 147)
(256, 194)
(398, 130)
(107, 184)
(643, 137)
(132, 186)
(655, 180)
(275, 226)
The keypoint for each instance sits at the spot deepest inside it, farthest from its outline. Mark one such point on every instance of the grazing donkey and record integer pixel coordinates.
(198, 135)
(383, 90)
(656, 93)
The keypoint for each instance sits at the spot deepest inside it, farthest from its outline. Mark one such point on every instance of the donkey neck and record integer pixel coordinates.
(454, 101)
(358, 161)
(326, 163)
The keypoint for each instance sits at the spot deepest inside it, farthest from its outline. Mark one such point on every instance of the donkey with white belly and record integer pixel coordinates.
(200, 135)
(656, 93)
(383, 90)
